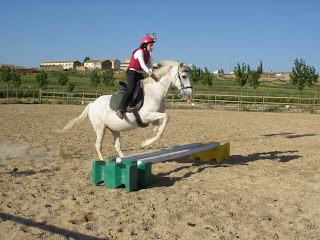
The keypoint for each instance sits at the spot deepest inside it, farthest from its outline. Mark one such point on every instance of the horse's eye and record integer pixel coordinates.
(184, 77)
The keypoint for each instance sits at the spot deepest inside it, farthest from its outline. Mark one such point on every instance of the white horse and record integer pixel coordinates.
(102, 117)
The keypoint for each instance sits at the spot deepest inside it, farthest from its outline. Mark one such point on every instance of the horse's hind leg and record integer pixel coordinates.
(99, 129)
(117, 145)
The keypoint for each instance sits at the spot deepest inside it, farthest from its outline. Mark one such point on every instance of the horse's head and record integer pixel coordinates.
(178, 75)
(183, 82)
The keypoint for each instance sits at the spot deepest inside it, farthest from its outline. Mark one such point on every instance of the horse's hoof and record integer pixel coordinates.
(143, 144)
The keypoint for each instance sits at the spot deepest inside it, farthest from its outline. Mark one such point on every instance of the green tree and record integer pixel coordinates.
(159, 65)
(260, 68)
(70, 87)
(95, 79)
(63, 79)
(254, 75)
(303, 75)
(85, 59)
(241, 74)
(195, 74)
(41, 79)
(207, 77)
(313, 77)
(108, 77)
(6, 75)
(16, 81)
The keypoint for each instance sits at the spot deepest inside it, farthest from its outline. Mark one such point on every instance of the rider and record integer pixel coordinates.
(140, 61)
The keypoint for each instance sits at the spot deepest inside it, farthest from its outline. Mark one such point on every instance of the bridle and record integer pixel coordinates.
(178, 76)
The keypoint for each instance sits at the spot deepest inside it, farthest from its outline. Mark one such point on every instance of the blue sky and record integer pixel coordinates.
(207, 33)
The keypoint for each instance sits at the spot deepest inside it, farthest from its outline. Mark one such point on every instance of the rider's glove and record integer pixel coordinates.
(154, 77)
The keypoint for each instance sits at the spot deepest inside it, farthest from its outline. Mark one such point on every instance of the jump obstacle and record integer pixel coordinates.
(136, 169)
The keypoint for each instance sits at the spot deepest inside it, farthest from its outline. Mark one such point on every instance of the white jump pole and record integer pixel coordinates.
(178, 154)
(158, 152)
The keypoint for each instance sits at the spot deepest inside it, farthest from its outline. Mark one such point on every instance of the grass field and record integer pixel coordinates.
(221, 85)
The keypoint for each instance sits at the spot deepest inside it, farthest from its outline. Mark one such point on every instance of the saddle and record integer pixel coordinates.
(134, 105)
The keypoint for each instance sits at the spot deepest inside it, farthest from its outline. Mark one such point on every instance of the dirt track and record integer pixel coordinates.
(268, 189)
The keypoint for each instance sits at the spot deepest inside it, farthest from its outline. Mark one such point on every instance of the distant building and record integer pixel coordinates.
(276, 76)
(7, 65)
(59, 65)
(217, 72)
(115, 64)
(124, 66)
(102, 64)
(271, 76)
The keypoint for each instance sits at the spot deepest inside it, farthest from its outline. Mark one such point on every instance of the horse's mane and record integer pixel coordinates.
(163, 70)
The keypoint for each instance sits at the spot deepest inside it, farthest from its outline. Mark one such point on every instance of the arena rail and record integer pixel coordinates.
(207, 101)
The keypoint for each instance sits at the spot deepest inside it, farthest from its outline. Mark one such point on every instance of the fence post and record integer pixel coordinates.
(172, 101)
(215, 101)
(40, 96)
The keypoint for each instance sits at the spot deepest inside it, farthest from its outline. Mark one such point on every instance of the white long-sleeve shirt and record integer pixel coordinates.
(139, 55)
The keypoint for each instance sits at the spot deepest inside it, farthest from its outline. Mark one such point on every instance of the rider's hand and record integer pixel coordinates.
(154, 77)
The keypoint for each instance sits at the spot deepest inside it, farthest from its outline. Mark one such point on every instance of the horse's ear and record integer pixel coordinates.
(181, 64)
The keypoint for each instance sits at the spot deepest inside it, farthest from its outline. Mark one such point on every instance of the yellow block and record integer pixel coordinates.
(220, 153)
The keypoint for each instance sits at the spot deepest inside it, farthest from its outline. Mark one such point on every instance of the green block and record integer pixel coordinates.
(98, 172)
(144, 174)
(112, 160)
(124, 173)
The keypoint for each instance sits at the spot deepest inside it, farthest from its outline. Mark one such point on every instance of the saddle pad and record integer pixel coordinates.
(134, 104)
(115, 101)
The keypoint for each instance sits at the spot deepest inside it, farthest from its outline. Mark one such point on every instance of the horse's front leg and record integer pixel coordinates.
(153, 116)
(117, 145)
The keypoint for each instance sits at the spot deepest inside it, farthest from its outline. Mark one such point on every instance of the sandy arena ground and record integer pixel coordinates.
(268, 189)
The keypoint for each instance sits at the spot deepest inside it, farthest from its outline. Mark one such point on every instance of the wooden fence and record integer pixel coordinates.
(200, 101)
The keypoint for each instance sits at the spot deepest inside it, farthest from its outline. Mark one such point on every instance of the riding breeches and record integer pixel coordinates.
(133, 79)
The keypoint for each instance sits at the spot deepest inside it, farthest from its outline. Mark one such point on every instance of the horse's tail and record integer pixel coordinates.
(76, 121)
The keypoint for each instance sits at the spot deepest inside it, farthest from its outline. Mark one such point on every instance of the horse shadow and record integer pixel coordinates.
(46, 227)
(164, 179)
(16, 172)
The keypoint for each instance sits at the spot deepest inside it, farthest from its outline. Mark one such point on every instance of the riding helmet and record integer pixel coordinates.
(147, 39)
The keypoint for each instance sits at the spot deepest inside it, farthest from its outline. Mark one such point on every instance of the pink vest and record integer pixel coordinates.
(134, 63)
